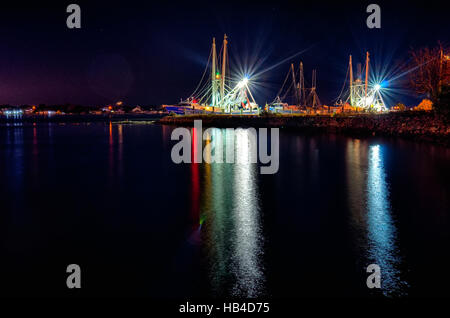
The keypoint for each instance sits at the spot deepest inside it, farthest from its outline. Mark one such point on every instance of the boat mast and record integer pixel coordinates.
(299, 85)
(367, 75)
(302, 86)
(351, 80)
(314, 88)
(302, 97)
(295, 85)
(214, 75)
(224, 63)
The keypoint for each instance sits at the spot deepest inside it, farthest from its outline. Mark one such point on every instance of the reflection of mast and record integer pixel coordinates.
(224, 63)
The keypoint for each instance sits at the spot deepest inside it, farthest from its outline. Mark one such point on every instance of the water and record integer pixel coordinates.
(108, 197)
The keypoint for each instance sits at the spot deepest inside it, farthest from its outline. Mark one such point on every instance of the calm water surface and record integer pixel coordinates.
(108, 197)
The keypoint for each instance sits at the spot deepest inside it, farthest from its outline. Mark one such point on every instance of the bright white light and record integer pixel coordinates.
(243, 82)
(377, 87)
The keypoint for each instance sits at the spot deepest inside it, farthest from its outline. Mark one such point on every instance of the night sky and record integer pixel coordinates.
(150, 53)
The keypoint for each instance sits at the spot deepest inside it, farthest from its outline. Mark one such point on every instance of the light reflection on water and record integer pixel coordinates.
(375, 229)
(247, 243)
(398, 210)
(382, 232)
(231, 213)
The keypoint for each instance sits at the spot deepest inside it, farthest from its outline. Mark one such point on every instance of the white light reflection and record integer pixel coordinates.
(229, 202)
(247, 242)
(381, 230)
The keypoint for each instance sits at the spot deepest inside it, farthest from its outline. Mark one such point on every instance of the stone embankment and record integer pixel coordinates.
(416, 125)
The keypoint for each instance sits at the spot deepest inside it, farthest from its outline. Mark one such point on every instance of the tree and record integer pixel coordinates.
(443, 101)
(427, 74)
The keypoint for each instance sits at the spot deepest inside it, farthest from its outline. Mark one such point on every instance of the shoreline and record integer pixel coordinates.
(80, 118)
(419, 126)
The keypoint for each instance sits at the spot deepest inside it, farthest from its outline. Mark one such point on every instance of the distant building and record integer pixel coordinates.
(12, 112)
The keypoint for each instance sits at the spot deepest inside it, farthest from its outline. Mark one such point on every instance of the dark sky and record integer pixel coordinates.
(154, 52)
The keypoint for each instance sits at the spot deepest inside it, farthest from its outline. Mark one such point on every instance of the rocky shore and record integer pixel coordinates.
(417, 125)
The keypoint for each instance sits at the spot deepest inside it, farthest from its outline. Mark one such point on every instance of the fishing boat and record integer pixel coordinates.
(218, 93)
(183, 107)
